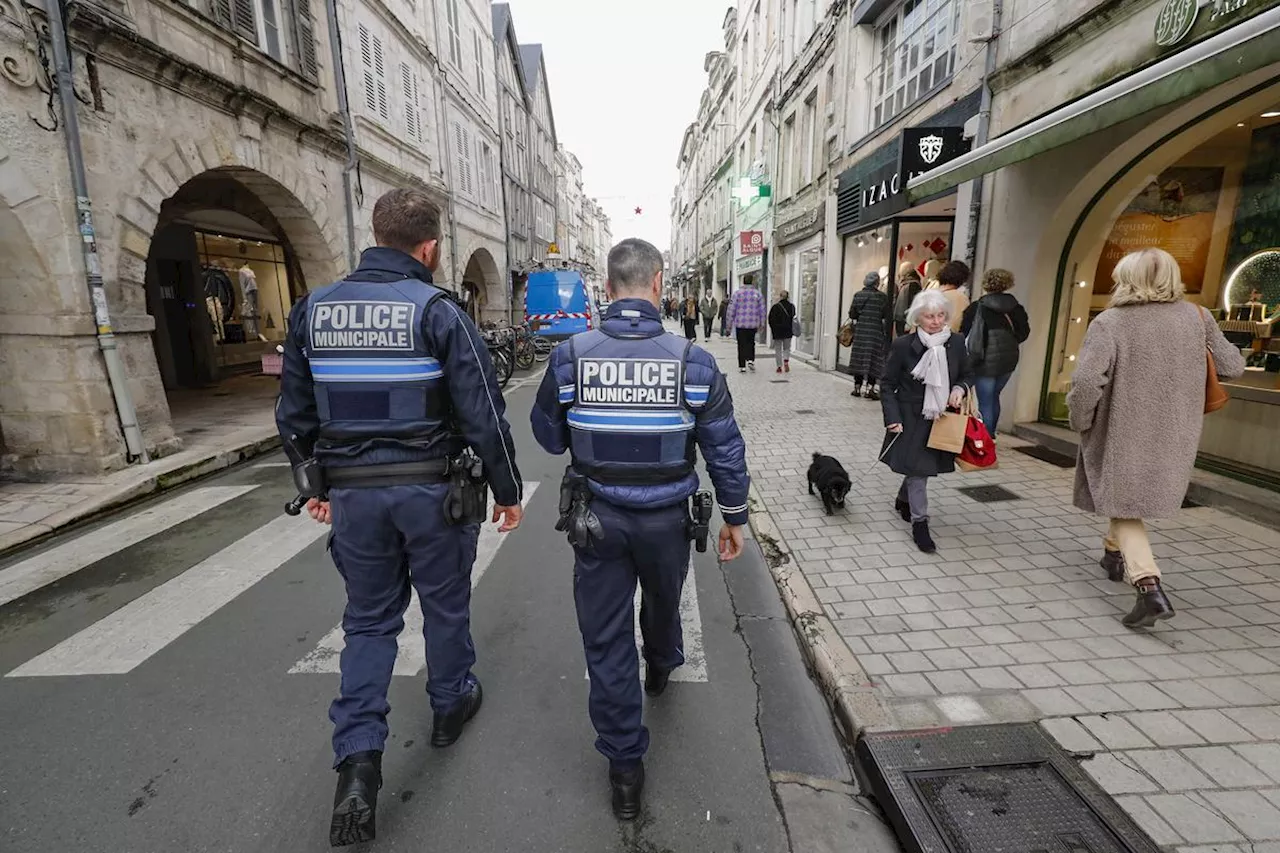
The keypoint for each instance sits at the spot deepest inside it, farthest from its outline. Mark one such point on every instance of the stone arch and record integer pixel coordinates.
(482, 286)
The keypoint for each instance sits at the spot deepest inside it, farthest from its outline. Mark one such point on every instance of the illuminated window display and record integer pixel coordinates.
(247, 294)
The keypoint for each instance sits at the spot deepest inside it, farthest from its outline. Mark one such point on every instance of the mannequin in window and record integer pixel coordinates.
(249, 311)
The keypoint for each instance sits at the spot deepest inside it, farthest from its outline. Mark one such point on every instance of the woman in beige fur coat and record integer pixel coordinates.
(1137, 400)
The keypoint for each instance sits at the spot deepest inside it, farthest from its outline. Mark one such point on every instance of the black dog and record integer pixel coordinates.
(832, 481)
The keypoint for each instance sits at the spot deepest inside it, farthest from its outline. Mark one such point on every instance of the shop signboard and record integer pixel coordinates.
(805, 225)
(748, 264)
(920, 149)
(750, 243)
(1178, 20)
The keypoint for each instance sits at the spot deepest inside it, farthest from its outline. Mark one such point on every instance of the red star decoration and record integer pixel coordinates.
(638, 211)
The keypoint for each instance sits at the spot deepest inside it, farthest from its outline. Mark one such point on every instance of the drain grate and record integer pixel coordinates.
(805, 412)
(988, 788)
(1044, 454)
(779, 381)
(989, 494)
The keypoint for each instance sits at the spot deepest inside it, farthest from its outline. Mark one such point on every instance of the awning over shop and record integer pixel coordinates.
(1244, 48)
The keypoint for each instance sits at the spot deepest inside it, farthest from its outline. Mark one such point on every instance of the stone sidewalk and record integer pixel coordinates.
(1013, 620)
(218, 427)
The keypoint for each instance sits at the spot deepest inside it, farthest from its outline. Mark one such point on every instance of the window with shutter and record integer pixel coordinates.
(304, 39)
(411, 119)
(462, 145)
(480, 78)
(244, 20)
(380, 74)
(455, 32)
(366, 70)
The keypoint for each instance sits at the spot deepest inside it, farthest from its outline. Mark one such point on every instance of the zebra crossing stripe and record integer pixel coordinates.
(85, 550)
(411, 658)
(129, 636)
(695, 655)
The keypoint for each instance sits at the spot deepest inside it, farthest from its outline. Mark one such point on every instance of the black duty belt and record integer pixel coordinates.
(397, 474)
(643, 477)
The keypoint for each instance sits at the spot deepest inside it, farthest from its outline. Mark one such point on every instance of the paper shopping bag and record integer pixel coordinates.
(947, 432)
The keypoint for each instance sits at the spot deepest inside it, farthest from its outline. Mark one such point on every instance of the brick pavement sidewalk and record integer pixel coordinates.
(1013, 620)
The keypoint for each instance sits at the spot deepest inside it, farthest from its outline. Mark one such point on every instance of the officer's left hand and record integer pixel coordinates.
(319, 510)
(730, 542)
(511, 517)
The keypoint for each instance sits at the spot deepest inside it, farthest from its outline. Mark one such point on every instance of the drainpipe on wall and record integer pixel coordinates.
(116, 378)
(344, 108)
(980, 138)
(502, 183)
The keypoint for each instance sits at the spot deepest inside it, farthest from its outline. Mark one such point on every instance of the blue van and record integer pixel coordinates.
(557, 304)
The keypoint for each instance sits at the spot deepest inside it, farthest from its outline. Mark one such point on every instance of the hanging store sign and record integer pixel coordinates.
(921, 149)
(750, 243)
(805, 225)
(750, 263)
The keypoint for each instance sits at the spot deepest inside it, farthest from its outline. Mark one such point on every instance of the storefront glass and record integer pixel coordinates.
(247, 294)
(803, 280)
(1217, 210)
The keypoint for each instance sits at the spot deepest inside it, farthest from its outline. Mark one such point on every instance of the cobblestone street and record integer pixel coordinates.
(1014, 620)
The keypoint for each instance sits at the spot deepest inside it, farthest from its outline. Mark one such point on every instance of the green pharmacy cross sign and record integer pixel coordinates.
(747, 192)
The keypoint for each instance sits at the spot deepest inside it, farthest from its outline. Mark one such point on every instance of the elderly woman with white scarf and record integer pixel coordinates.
(927, 371)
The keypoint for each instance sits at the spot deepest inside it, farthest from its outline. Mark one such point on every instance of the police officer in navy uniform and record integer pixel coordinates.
(630, 401)
(387, 383)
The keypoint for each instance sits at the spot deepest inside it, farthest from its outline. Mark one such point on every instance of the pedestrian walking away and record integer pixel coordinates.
(630, 402)
(870, 314)
(710, 308)
(689, 314)
(746, 316)
(952, 279)
(388, 389)
(994, 328)
(908, 289)
(926, 373)
(1137, 399)
(782, 324)
(724, 313)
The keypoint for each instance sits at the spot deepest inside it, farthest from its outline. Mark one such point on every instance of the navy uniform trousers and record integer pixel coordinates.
(385, 539)
(652, 547)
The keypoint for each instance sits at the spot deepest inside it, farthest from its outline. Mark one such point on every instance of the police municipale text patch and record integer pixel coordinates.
(632, 382)
(363, 325)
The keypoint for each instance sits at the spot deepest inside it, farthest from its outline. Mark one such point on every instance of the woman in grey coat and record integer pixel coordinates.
(871, 313)
(927, 371)
(1137, 400)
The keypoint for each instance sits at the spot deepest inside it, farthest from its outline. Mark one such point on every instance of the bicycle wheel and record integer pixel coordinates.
(502, 364)
(542, 349)
(524, 354)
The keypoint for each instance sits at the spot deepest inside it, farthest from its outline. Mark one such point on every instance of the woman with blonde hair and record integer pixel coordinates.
(1137, 400)
(927, 371)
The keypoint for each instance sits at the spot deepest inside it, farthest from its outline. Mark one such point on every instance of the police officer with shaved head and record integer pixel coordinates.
(392, 415)
(630, 402)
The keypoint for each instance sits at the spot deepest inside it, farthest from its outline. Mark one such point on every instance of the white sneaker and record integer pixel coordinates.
(752, 366)
(742, 370)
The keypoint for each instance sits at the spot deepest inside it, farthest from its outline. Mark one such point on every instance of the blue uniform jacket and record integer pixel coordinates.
(715, 430)
(479, 412)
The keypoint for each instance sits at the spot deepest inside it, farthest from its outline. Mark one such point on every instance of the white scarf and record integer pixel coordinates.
(934, 372)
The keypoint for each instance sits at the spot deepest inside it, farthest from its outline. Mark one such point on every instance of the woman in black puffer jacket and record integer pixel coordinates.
(1006, 328)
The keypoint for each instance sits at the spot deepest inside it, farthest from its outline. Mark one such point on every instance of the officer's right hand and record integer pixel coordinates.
(319, 510)
(730, 542)
(511, 517)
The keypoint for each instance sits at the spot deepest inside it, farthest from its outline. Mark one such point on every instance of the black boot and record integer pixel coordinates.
(1151, 607)
(1113, 562)
(920, 533)
(355, 804)
(447, 728)
(873, 393)
(904, 509)
(655, 680)
(627, 785)
(857, 391)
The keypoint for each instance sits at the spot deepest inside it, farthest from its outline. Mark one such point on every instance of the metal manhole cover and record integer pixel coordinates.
(1044, 454)
(805, 412)
(992, 789)
(989, 494)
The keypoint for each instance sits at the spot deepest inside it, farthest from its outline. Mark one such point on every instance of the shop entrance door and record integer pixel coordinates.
(174, 284)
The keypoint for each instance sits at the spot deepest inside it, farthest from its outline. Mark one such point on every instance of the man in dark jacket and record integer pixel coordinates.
(993, 351)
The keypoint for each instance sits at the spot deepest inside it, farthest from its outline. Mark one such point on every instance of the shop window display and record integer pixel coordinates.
(247, 292)
(1216, 209)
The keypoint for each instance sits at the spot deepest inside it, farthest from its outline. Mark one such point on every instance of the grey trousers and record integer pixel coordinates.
(781, 350)
(915, 491)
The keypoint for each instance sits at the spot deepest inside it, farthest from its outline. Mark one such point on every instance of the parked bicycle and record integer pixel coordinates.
(502, 350)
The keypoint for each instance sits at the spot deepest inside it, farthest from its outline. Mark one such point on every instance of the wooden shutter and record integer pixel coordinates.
(380, 73)
(222, 12)
(304, 35)
(245, 22)
(411, 120)
(366, 70)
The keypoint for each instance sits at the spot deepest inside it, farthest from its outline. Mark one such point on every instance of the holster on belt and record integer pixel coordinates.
(700, 520)
(468, 499)
(576, 518)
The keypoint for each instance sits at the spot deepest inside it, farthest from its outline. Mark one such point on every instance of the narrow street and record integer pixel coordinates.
(168, 672)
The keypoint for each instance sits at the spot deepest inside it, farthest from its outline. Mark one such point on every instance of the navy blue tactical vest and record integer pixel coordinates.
(375, 377)
(631, 421)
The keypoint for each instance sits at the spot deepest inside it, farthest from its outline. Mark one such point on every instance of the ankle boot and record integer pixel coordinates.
(1113, 562)
(626, 785)
(1151, 607)
(857, 391)
(355, 803)
(903, 508)
(920, 533)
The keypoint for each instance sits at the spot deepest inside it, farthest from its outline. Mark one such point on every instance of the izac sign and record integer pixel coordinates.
(921, 149)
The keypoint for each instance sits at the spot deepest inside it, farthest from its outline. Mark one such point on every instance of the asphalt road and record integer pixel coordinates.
(168, 691)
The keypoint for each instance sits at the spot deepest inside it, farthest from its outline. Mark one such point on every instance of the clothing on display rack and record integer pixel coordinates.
(218, 286)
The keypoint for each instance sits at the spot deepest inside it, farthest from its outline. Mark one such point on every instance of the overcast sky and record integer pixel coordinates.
(625, 78)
